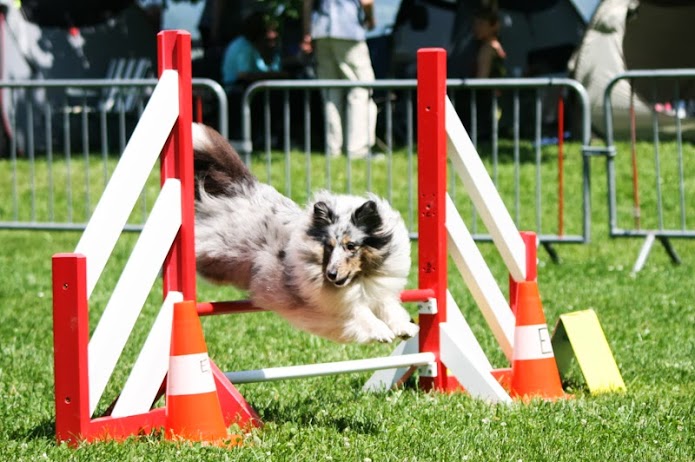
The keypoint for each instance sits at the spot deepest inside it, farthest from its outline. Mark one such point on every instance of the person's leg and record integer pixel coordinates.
(327, 68)
(361, 110)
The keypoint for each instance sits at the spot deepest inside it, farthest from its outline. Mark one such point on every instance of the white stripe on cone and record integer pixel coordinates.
(532, 342)
(190, 375)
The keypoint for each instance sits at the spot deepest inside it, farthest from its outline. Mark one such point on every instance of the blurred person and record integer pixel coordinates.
(336, 30)
(488, 64)
(220, 22)
(254, 55)
(491, 55)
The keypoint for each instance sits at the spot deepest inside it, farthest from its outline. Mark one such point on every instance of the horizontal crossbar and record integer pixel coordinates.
(245, 306)
(339, 367)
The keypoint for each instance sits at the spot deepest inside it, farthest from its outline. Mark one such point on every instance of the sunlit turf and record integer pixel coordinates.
(648, 319)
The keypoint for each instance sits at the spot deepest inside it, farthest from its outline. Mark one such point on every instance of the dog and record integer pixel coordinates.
(334, 269)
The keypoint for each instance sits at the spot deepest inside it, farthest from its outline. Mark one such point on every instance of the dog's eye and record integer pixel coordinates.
(351, 246)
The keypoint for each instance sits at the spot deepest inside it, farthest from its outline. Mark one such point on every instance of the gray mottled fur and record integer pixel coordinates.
(301, 263)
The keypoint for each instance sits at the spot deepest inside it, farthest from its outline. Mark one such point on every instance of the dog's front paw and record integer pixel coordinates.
(381, 333)
(374, 331)
(406, 331)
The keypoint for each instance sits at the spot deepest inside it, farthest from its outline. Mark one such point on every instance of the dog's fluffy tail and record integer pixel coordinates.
(218, 167)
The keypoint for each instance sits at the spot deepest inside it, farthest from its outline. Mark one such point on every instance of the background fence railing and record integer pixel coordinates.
(659, 105)
(533, 134)
(66, 137)
(68, 134)
(518, 125)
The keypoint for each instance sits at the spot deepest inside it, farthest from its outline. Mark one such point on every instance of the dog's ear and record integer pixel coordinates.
(323, 215)
(367, 217)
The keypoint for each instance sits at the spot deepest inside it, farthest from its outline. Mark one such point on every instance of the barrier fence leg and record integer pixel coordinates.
(74, 420)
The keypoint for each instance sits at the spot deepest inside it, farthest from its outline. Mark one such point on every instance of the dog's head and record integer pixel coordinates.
(351, 244)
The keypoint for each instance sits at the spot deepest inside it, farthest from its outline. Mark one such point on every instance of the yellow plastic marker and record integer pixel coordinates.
(579, 335)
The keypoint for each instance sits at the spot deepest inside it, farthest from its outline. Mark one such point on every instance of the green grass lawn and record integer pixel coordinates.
(648, 318)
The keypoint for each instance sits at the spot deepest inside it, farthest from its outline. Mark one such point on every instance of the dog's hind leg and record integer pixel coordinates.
(392, 313)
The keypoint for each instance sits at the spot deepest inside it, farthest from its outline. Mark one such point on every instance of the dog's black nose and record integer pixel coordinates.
(331, 275)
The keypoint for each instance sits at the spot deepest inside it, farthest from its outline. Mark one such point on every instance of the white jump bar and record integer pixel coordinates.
(339, 367)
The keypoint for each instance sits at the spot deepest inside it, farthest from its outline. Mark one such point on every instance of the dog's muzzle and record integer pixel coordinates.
(333, 277)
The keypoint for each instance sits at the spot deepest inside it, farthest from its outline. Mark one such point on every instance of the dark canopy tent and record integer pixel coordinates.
(538, 36)
(72, 13)
(590, 40)
(72, 39)
(629, 35)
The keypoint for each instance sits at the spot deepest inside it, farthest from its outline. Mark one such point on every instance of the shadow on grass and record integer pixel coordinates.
(43, 431)
(308, 412)
(328, 410)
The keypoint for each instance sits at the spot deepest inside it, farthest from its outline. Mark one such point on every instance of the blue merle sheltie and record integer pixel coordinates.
(334, 269)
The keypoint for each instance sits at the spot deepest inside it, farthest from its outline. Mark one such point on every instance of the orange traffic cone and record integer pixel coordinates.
(193, 410)
(534, 371)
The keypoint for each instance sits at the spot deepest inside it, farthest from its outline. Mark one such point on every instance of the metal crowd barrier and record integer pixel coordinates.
(279, 140)
(657, 169)
(67, 137)
(73, 136)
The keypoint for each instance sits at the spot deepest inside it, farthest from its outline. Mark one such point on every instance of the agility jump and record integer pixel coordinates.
(444, 333)
(84, 365)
